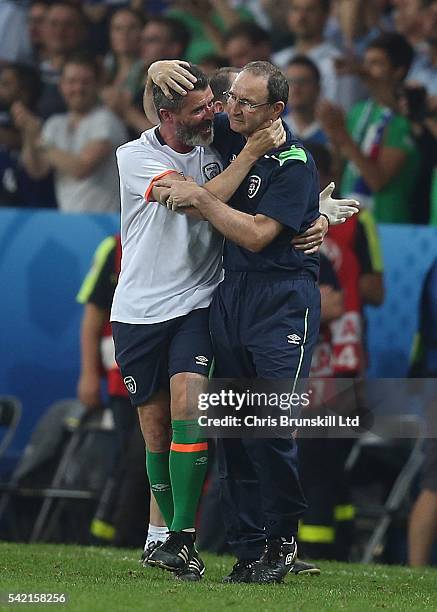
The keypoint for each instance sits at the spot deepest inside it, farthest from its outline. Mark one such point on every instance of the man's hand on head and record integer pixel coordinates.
(171, 75)
(337, 211)
(266, 138)
(309, 242)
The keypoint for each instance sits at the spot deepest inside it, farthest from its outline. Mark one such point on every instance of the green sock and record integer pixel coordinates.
(159, 478)
(188, 463)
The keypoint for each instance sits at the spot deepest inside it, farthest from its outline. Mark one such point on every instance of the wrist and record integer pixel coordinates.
(322, 214)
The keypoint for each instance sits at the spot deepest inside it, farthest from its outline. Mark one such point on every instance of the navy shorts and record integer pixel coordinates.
(149, 355)
(264, 325)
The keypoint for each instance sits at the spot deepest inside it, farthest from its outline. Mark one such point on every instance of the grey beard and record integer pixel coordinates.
(191, 138)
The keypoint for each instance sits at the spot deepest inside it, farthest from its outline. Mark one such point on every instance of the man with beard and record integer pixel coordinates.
(171, 265)
(265, 314)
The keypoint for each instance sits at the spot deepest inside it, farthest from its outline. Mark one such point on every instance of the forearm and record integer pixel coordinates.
(226, 184)
(234, 225)
(69, 163)
(370, 169)
(34, 159)
(90, 336)
(149, 107)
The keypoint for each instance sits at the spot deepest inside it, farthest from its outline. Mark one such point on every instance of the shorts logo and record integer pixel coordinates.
(254, 185)
(159, 486)
(201, 460)
(294, 339)
(211, 170)
(130, 383)
(201, 360)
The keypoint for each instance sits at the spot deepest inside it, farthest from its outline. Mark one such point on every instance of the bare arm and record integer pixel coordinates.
(372, 288)
(331, 303)
(33, 156)
(88, 388)
(82, 165)
(376, 172)
(251, 232)
(225, 184)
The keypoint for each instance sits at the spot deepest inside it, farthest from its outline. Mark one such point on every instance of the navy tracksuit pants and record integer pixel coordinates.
(263, 325)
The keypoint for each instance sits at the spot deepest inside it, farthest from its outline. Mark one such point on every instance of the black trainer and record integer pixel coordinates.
(241, 572)
(193, 570)
(148, 551)
(301, 568)
(175, 552)
(276, 561)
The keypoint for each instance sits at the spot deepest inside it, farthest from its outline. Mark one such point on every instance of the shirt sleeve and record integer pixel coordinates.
(368, 247)
(140, 169)
(106, 126)
(99, 284)
(287, 197)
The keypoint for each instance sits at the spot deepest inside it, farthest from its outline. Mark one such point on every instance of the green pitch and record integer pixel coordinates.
(111, 580)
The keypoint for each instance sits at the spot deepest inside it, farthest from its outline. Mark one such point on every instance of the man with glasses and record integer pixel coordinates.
(265, 314)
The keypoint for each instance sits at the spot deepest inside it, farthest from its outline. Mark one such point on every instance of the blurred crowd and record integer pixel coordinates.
(362, 74)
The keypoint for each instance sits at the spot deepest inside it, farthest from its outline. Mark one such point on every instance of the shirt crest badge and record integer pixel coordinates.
(211, 170)
(254, 185)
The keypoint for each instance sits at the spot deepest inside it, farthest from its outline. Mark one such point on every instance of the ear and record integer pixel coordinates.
(278, 108)
(218, 107)
(164, 115)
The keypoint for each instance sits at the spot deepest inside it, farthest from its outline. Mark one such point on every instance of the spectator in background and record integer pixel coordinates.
(124, 70)
(64, 34)
(35, 25)
(121, 511)
(247, 42)
(163, 38)
(220, 83)
(408, 18)
(376, 143)
(14, 39)
(304, 79)
(424, 68)
(19, 84)
(78, 146)
(307, 21)
(206, 21)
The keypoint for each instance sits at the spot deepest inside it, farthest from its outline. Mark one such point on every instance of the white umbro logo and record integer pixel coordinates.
(201, 360)
(293, 339)
(130, 383)
(289, 558)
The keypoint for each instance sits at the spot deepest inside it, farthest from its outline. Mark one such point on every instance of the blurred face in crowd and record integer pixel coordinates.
(430, 24)
(63, 30)
(9, 88)
(35, 20)
(156, 43)
(240, 51)
(306, 18)
(304, 88)
(79, 86)
(125, 33)
(251, 88)
(193, 124)
(408, 15)
(379, 71)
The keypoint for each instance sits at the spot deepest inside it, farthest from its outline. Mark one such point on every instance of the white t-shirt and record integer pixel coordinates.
(171, 263)
(98, 192)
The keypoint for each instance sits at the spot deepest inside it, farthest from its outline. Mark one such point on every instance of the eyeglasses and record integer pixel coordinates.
(244, 104)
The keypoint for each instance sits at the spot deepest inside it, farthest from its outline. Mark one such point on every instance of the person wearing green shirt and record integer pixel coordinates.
(381, 158)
